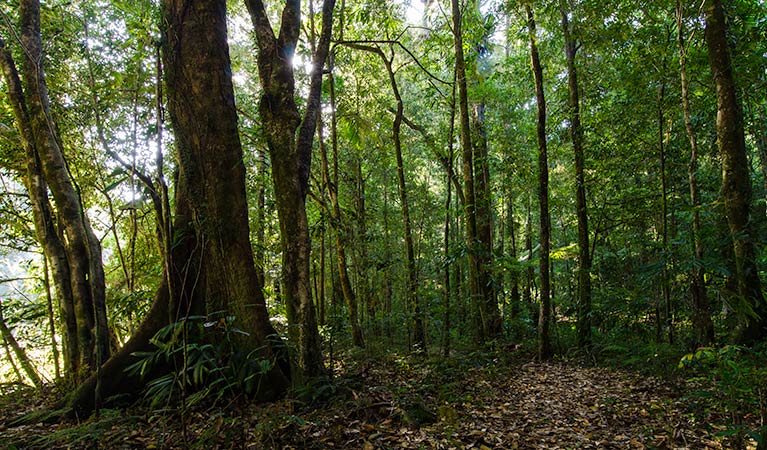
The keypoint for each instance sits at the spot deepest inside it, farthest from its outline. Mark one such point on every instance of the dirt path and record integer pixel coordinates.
(535, 406)
(399, 403)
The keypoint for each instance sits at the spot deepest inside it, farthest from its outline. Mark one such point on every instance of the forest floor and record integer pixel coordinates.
(467, 401)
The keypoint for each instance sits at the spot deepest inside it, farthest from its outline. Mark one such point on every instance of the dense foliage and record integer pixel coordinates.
(393, 264)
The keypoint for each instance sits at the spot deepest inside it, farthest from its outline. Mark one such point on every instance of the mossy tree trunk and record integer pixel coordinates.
(289, 137)
(76, 260)
(736, 182)
(211, 263)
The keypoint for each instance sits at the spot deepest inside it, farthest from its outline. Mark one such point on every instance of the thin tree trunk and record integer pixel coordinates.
(761, 142)
(576, 135)
(701, 310)
(21, 355)
(467, 150)
(321, 302)
(446, 325)
(260, 250)
(544, 315)
(363, 278)
(388, 290)
(419, 333)
(340, 236)
(515, 297)
(736, 184)
(665, 282)
(51, 318)
(527, 295)
(11, 361)
(490, 314)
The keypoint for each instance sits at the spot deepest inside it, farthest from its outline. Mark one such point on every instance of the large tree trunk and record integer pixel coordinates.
(702, 324)
(291, 162)
(209, 152)
(736, 184)
(211, 262)
(544, 315)
(576, 135)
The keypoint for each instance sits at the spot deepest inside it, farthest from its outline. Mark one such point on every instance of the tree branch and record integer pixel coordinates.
(403, 47)
(443, 160)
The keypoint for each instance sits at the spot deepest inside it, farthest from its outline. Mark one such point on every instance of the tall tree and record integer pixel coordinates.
(44, 220)
(211, 262)
(701, 310)
(289, 137)
(576, 136)
(84, 276)
(467, 154)
(736, 183)
(414, 304)
(331, 185)
(544, 315)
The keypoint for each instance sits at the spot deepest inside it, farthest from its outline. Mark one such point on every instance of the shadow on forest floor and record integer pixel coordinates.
(393, 402)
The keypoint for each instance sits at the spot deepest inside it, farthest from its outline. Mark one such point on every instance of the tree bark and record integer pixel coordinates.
(544, 314)
(289, 138)
(211, 264)
(736, 184)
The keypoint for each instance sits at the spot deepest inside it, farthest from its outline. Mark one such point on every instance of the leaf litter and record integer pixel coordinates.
(399, 402)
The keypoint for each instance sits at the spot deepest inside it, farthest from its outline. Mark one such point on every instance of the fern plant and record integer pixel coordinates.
(197, 357)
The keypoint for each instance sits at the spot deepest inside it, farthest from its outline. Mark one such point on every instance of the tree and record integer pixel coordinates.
(736, 183)
(289, 137)
(701, 314)
(467, 154)
(331, 185)
(576, 136)
(76, 261)
(414, 303)
(21, 355)
(544, 315)
(212, 269)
